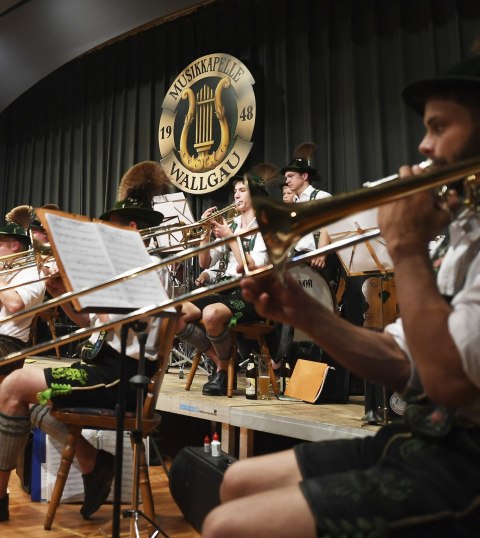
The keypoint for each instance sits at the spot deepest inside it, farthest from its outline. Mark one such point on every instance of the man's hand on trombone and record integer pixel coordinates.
(409, 224)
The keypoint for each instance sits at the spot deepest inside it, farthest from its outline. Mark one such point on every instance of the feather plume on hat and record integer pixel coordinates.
(22, 215)
(136, 191)
(267, 171)
(143, 181)
(305, 151)
(302, 159)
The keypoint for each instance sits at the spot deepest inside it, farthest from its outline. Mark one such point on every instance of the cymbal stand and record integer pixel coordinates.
(140, 382)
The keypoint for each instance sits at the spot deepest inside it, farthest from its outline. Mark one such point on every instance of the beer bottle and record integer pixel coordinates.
(280, 377)
(251, 379)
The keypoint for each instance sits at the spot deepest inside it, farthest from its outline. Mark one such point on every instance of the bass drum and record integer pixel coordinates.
(295, 344)
(315, 283)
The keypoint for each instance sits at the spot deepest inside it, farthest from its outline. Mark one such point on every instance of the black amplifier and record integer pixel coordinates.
(195, 478)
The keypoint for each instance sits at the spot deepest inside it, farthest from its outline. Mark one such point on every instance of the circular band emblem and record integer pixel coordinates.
(207, 121)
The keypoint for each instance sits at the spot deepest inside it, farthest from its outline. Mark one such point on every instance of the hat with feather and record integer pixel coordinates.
(302, 160)
(257, 178)
(16, 231)
(22, 215)
(137, 188)
(35, 222)
(269, 174)
(17, 223)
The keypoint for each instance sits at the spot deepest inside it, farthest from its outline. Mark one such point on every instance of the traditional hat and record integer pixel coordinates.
(256, 185)
(35, 222)
(464, 75)
(137, 188)
(301, 161)
(16, 231)
(22, 215)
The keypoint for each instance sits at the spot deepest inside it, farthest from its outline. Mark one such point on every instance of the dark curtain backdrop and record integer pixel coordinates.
(328, 71)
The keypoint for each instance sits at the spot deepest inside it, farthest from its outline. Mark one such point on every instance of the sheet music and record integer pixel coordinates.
(92, 253)
(366, 257)
(176, 211)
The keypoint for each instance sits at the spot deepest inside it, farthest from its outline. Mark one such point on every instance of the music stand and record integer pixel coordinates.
(73, 238)
(369, 258)
(176, 210)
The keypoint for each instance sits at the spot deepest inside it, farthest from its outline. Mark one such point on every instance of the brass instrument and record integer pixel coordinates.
(38, 256)
(16, 260)
(193, 233)
(281, 225)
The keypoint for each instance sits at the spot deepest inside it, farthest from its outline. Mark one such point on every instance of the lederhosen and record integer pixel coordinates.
(99, 381)
(10, 344)
(242, 311)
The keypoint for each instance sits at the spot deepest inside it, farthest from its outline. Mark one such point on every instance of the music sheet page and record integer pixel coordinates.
(93, 253)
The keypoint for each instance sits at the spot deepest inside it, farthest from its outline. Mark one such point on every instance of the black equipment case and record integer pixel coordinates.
(195, 478)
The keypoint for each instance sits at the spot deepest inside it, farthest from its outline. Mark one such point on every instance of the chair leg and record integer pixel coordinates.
(195, 362)
(51, 326)
(68, 454)
(145, 487)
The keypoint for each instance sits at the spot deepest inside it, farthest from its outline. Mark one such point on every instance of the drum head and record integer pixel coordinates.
(315, 283)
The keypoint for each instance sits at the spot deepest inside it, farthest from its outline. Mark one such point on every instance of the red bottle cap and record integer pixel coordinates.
(206, 440)
(215, 436)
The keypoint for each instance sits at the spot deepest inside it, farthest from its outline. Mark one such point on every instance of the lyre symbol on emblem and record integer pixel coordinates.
(201, 108)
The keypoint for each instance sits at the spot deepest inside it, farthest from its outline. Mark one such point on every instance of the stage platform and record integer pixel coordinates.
(294, 419)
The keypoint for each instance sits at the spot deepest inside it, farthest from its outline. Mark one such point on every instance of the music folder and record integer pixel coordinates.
(91, 252)
(307, 381)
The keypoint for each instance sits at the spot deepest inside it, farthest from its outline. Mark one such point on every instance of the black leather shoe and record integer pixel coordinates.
(4, 515)
(217, 386)
(98, 483)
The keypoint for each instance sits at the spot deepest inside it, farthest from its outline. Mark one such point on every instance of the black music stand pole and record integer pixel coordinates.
(120, 414)
(140, 383)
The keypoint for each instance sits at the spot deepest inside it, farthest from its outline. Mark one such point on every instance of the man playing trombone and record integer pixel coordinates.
(28, 292)
(219, 311)
(417, 476)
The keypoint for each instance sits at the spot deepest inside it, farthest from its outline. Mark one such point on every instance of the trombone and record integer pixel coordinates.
(281, 225)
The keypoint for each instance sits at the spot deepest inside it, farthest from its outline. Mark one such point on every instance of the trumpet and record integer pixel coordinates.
(191, 234)
(281, 225)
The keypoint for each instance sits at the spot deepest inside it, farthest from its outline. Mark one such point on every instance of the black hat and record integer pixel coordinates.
(465, 74)
(16, 231)
(301, 161)
(137, 188)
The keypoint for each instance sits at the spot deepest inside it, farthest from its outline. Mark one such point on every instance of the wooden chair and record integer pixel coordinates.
(249, 331)
(47, 316)
(105, 419)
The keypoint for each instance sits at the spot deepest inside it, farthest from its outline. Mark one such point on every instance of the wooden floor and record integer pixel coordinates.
(26, 517)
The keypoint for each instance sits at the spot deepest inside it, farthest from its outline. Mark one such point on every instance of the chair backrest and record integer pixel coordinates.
(166, 336)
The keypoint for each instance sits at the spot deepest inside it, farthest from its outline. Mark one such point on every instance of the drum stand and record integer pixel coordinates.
(140, 382)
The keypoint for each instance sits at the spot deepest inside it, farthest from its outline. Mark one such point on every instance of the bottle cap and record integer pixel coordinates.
(206, 440)
(215, 436)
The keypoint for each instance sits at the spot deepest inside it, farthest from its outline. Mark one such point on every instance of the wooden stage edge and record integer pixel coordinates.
(294, 419)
